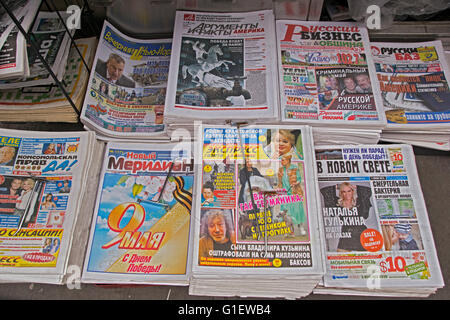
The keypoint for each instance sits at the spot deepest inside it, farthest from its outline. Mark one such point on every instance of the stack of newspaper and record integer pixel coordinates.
(327, 80)
(223, 67)
(53, 41)
(256, 232)
(414, 83)
(47, 103)
(141, 226)
(43, 183)
(378, 240)
(127, 87)
(13, 46)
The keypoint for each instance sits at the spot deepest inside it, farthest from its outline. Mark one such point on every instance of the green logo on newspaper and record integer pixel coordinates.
(415, 268)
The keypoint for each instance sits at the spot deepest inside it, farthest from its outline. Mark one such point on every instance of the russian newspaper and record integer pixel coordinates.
(413, 80)
(256, 232)
(48, 104)
(326, 75)
(127, 86)
(42, 183)
(53, 41)
(141, 225)
(378, 239)
(13, 49)
(223, 66)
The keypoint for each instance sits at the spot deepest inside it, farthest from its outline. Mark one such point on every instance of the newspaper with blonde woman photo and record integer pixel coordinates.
(378, 238)
(256, 203)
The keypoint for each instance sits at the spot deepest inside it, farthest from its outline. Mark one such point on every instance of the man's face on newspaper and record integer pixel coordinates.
(363, 81)
(7, 154)
(217, 229)
(115, 69)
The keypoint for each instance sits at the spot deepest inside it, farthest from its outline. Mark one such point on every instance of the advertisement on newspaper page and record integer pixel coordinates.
(326, 73)
(142, 215)
(39, 181)
(256, 189)
(127, 86)
(374, 217)
(223, 64)
(413, 80)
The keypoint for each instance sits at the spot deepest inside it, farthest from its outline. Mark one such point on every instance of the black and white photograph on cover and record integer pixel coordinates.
(347, 210)
(211, 73)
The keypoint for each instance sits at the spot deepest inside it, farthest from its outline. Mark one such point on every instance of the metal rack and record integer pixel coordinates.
(50, 6)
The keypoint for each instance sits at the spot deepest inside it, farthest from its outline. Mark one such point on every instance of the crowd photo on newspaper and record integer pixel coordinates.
(245, 155)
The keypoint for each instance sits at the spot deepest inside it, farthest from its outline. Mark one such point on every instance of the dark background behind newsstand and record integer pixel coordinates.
(433, 169)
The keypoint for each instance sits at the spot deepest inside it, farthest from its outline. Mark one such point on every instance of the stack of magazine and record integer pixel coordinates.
(141, 226)
(53, 42)
(47, 103)
(327, 80)
(223, 66)
(43, 184)
(256, 232)
(414, 84)
(378, 240)
(127, 87)
(13, 46)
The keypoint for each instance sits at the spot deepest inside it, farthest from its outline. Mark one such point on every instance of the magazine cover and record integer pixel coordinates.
(413, 79)
(374, 218)
(256, 199)
(140, 230)
(326, 74)
(222, 66)
(127, 86)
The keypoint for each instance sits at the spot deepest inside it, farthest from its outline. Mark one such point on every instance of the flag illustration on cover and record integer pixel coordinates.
(140, 231)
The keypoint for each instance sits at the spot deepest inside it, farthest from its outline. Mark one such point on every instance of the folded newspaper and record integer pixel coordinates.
(141, 226)
(223, 66)
(256, 230)
(127, 87)
(326, 75)
(13, 48)
(43, 179)
(53, 41)
(47, 103)
(413, 79)
(378, 239)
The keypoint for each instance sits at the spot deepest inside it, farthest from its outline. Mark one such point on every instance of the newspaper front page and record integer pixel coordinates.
(375, 221)
(326, 74)
(74, 81)
(41, 184)
(53, 42)
(127, 86)
(256, 202)
(223, 65)
(413, 79)
(141, 226)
